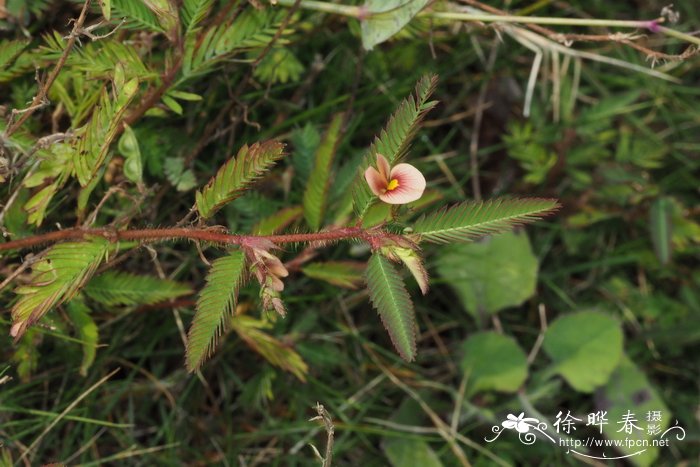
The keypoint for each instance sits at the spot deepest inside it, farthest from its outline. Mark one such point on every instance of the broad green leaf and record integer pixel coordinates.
(55, 279)
(660, 225)
(466, 221)
(394, 141)
(347, 274)
(389, 297)
(386, 18)
(88, 333)
(586, 347)
(215, 306)
(316, 193)
(120, 288)
(488, 276)
(403, 452)
(237, 175)
(129, 148)
(629, 390)
(493, 362)
(275, 351)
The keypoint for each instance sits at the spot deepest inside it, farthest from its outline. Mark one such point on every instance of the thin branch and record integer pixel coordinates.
(40, 97)
(204, 234)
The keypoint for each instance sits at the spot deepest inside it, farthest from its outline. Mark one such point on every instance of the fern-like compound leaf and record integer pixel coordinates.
(388, 295)
(466, 221)
(238, 174)
(55, 279)
(121, 288)
(215, 307)
(394, 140)
(316, 193)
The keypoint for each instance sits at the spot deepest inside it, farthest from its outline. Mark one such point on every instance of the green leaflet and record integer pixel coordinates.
(394, 141)
(278, 221)
(215, 306)
(88, 332)
(96, 137)
(316, 193)
(137, 14)
(347, 274)
(234, 177)
(660, 225)
(275, 351)
(121, 288)
(194, 12)
(55, 279)
(252, 28)
(466, 221)
(389, 297)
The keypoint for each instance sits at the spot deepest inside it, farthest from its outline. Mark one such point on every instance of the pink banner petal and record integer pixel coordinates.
(384, 167)
(376, 182)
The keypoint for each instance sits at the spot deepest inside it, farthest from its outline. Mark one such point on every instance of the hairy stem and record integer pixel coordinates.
(185, 233)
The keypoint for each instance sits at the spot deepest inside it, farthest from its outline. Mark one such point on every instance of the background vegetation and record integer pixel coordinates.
(595, 308)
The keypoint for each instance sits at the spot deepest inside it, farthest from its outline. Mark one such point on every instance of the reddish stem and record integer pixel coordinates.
(203, 234)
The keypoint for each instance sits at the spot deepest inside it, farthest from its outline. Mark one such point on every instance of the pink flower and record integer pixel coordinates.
(398, 185)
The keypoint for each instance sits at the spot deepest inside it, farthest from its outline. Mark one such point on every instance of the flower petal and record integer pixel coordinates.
(411, 185)
(522, 427)
(383, 166)
(376, 182)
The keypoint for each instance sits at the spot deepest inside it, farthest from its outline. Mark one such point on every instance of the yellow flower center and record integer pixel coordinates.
(394, 184)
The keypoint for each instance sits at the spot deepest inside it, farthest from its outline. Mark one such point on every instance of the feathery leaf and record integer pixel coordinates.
(215, 307)
(316, 194)
(96, 137)
(466, 221)
(277, 352)
(389, 297)
(234, 177)
(121, 288)
(55, 279)
(137, 14)
(193, 12)
(278, 221)
(394, 141)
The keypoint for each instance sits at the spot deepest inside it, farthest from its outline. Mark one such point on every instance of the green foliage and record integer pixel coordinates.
(346, 274)
(137, 13)
(96, 137)
(629, 390)
(179, 177)
(193, 12)
(386, 18)
(403, 452)
(279, 66)
(87, 332)
(316, 193)
(465, 221)
(237, 175)
(215, 307)
(493, 362)
(55, 279)
(660, 225)
(113, 288)
(394, 305)
(273, 350)
(395, 140)
(586, 347)
(488, 276)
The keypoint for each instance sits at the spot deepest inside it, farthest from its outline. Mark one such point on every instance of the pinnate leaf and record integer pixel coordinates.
(316, 193)
(121, 288)
(394, 141)
(466, 221)
(215, 306)
(388, 295)
(238, 174)
(55, 279)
